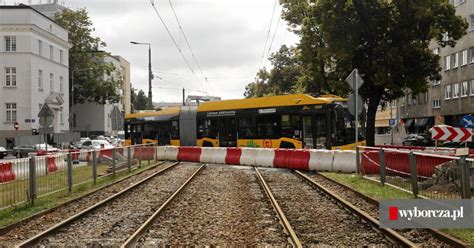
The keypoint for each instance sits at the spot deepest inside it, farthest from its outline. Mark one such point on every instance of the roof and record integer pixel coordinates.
(164, 111)
(266, 102)
(22, 6)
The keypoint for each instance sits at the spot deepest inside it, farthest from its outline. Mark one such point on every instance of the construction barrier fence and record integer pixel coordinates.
(424, 173)
(23, 180)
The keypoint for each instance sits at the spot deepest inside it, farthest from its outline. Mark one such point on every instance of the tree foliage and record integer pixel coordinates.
(387, 40)
(139, 101)
(94, 79)
(280, 79)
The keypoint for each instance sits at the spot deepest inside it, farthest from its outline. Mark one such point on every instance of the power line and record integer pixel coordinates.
(274, 34)
(268, 35)
(187, 42)
(176, 44)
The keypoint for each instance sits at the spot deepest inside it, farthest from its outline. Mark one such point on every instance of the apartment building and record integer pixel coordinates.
(34, 70)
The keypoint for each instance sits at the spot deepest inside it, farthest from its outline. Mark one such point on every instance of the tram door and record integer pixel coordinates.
(308, 132)
(227, 132)
(164, 133)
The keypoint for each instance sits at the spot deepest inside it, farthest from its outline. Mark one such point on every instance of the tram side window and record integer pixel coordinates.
(150, 131)
(246, 128)
(321, 131)
(267, 126)
(174, 130)
(290, 126)
(207, 128)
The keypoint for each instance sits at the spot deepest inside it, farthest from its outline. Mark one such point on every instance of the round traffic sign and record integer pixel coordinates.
(16, 125)
(267, 143)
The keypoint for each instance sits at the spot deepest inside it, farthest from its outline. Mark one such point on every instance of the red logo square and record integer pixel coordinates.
(393, 213)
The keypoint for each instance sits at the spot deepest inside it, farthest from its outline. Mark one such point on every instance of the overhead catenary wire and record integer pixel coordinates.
(268, 35)
(187, 42)
(177, 46)
(274, 34)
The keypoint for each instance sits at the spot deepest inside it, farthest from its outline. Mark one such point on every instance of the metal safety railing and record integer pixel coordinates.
(425, 174)
(24, 180)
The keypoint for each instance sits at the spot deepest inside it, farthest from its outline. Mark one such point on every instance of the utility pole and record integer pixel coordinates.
(150, 77)
(184, 95)
(150, 73)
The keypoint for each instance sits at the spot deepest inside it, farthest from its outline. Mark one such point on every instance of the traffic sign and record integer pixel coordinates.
(355, 80)
(351, 104)
(391, 122)
(467, 121)
(16, 125)
(448, 133)
(46, 116)
(267, 143)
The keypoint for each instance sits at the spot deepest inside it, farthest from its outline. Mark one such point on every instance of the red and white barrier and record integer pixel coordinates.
(299, 159)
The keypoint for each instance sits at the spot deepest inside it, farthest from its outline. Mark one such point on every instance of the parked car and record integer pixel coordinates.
(418, 140)
(79, 143)
(3, 152)
(23, 151)
(97, 145)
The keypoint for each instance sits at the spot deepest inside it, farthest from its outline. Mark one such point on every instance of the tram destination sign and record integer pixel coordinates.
(220, 113)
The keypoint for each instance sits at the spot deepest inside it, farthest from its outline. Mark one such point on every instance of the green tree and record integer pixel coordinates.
(387, 40)
(281, 79)
(94, 79)
(140, 100)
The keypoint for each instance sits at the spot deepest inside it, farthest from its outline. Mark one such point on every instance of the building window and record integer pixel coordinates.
(472, 87)
(61, 116)
(51, 52)
(425, 96)
(402, 101)
(435, 82)
(51, 82)
(455, 60)
(455, 90)
(464, 89)
(471, 23)
(436, 51)
(10, 76)
(61, 54)
(40, 79)
(61, 84)
(10, 43)
(445, 36)
(471, 55)
(11, 112)
(458, 2)
(436, 103)
(447, 62)
(447, 92)
(415, 98)
(40, 47)
(464, 57)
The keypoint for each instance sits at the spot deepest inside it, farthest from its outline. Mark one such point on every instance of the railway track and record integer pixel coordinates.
(110, 221)
(422, 237)
(223, 206)
(322, 218)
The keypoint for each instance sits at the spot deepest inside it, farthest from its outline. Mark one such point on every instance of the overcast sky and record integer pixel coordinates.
(227, 37)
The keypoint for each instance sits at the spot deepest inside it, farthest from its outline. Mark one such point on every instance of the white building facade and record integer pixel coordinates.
(34, 70)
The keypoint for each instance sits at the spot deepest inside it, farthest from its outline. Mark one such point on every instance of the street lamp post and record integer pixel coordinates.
(150, 73)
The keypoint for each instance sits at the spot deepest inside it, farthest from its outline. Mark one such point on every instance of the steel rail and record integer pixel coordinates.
(294, 239)
(33, 240)
(438, 234)
(36, 215)
(393, 235)
(134, 238)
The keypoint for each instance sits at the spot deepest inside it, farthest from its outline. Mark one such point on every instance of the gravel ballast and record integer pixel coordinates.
(316, 219)
(223, 206)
